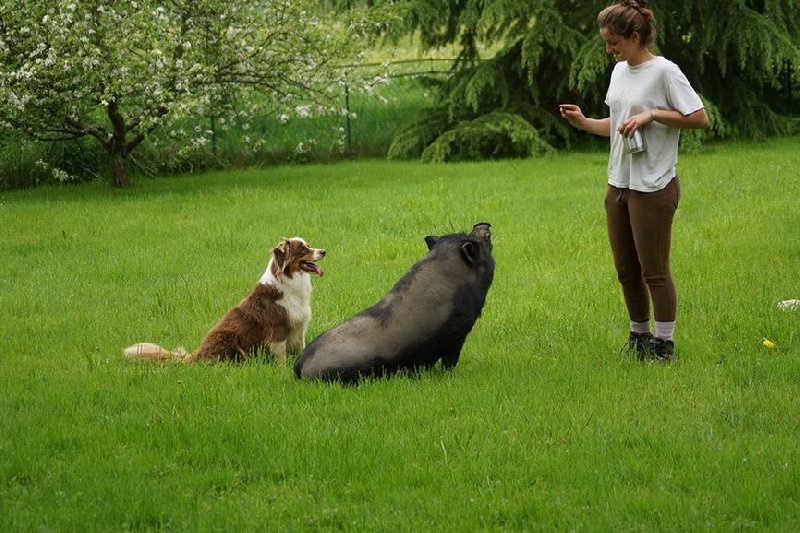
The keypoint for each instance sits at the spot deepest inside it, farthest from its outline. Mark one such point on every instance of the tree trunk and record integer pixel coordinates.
(116, 145)
(121, 178)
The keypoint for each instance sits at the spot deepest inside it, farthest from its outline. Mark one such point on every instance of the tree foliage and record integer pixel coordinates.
(743, 57)
(115, 70)
(495, 135)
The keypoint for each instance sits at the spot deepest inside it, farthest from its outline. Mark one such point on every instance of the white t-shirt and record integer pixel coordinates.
(655, 84)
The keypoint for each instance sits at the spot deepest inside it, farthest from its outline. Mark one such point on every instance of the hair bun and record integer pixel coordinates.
(635, 4)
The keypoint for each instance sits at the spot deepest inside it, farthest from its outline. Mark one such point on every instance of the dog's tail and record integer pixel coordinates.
(147, 351)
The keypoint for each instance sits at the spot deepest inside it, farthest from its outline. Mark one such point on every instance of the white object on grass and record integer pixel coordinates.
(789, 305)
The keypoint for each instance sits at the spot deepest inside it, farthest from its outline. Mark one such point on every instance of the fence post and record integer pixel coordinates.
(213, 136)
(347, 126)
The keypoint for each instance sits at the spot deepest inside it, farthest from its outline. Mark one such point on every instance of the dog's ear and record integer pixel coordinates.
(470, 251)
(282, 249)
(430, 240)
(481, 231)
(280, 253)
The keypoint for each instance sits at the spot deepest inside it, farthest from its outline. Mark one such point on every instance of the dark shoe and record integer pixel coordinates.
(661, 350)
(639, 344)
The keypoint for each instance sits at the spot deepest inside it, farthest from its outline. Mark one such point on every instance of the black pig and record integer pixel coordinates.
(425, 317)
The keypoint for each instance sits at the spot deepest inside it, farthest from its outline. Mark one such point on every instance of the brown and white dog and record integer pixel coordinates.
(274, 317)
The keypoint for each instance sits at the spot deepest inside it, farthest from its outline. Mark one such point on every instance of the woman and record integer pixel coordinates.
(648, 95)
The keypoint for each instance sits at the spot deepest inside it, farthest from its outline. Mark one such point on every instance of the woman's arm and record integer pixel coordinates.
(674, 118)
(668, 117)
(596, 126)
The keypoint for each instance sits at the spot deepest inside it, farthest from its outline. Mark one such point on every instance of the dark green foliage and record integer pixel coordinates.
(493, 136)
(27, 163)
(411, 141)
(743, 57)
(18, 168)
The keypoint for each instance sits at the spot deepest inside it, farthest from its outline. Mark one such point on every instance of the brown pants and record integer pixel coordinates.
(640, 234)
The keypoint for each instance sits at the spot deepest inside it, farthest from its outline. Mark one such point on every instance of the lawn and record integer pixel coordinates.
(543, 426)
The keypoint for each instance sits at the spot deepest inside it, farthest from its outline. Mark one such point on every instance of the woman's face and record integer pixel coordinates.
(622, 48)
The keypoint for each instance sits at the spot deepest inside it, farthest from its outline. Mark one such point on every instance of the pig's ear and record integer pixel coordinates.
(469, 251)
(481, 231)
(430, 240)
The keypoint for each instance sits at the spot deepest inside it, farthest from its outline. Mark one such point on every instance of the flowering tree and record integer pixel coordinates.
(115, 70)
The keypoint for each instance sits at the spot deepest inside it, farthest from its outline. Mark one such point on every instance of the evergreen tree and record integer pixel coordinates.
(742, 56)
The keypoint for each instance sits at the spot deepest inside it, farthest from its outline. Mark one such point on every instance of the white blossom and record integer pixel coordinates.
(170, 70)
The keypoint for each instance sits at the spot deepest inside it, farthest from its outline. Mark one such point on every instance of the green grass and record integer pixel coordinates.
(543, 426)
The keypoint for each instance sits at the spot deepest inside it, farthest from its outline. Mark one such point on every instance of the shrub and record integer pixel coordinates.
(411, 141)
(26, 163)
(494, 136)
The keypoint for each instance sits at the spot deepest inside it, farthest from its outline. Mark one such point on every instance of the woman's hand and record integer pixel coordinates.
(636, 122)
(573, 114)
